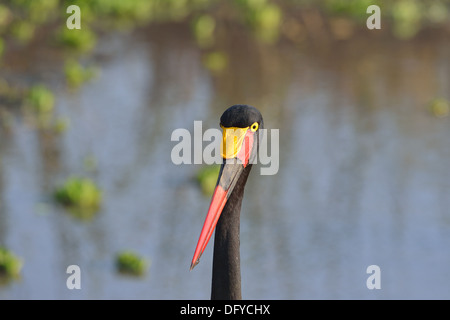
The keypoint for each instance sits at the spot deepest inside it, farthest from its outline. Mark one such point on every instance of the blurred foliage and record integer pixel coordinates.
(407, 16)
(131, 263)
(22, 19)
(203, 28)
(10, 265)
(215, 61)
(40, 106)
(24, 23)
(41, 99)
(76, 74)
(263, 16)
(349, 8)
(440, 107)
(82, 40)
(60, 124)
(80, 195)
(40, 102)
(207, 178)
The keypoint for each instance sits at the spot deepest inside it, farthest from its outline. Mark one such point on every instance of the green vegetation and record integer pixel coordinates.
(80, 195)
(22, 20)
(264, 18)
(61, 125)
(76, 74)
(203, 29)
(41, 102)
(40, 105)
(215, 61)
(43, 22)
(83, 40)
(207, 178)
(131, 263)
(440, 107)
(10, 265)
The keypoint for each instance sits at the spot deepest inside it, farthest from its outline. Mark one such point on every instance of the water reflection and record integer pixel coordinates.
(362, 179)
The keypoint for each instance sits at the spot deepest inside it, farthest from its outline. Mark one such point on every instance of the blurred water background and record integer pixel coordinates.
(364, 173)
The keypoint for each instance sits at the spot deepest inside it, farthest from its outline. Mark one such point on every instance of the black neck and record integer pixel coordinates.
(226, 277)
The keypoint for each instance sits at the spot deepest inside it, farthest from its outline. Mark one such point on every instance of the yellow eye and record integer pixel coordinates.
(254, 126)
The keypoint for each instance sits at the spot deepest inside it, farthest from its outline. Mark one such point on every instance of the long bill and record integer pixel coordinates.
(228, 176)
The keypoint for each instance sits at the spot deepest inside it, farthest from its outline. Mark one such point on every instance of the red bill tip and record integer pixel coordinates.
(218, 201)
